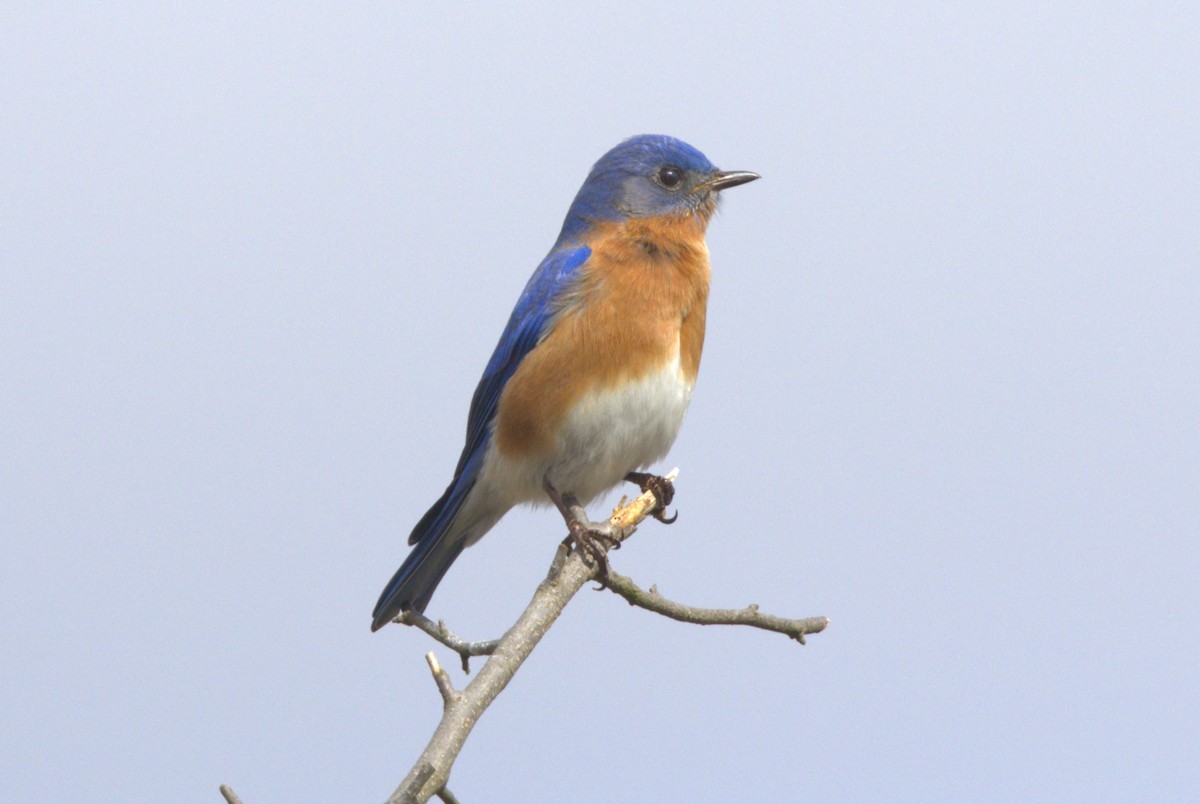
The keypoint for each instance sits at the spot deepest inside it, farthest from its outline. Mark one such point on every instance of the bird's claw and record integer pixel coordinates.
(661, 515)
(593, 545)
(663, 491)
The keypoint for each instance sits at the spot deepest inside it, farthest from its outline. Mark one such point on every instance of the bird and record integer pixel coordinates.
(593, 373)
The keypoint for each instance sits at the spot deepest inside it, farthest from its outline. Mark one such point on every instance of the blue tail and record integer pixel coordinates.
(435, 549)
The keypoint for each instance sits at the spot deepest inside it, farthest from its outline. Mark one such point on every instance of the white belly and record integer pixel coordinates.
(604, 436)
(609, 434)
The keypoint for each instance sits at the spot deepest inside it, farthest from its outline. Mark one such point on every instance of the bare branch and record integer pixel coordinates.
(460, 716)
(442, 634)
(652, 601)
(626, 517)
(567, 575)
(230, 796)
(442, 679)
(446, 796)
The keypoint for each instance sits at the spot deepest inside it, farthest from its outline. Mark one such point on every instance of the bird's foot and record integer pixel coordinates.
(593, 546)
(663, 491)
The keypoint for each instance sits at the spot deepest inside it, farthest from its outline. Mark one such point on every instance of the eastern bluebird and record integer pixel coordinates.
(593, 373)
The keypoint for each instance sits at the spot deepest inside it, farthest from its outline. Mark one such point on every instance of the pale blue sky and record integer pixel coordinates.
(255, 259)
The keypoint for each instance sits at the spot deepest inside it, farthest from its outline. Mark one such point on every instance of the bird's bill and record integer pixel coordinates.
(724, 179)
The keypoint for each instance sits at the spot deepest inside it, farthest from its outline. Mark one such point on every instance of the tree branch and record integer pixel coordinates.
(652, 601)
(442, 679)
(442, 634)
(432, 769)
(568, 573)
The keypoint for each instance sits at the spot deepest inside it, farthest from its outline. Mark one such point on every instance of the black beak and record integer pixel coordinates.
(724, 179)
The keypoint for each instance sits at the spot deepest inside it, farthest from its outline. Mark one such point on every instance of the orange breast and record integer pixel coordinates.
(642, 297)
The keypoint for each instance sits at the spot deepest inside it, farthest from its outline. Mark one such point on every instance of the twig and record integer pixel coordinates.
(442, 634)
(515, 646)
(442, 679)
(568, 574)
(652, 601)
(230, 796)
(627, 517)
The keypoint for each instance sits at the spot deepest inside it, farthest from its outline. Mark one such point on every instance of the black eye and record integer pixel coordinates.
(670, 177)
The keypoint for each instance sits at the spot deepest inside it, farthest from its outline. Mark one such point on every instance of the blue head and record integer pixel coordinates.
(647, 176)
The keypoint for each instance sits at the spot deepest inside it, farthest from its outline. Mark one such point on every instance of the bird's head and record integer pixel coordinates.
(647, 176)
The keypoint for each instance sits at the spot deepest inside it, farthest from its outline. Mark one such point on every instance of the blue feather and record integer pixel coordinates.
(436, 545)
(536, 309)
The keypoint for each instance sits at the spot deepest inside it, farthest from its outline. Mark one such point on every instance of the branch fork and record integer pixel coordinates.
(568, 573)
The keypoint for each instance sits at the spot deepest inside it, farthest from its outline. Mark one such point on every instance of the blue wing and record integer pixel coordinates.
(413, 584)
(537, 307)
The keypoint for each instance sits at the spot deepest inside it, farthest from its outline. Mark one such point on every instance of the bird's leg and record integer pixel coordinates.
(663, 491)
(592, 544)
